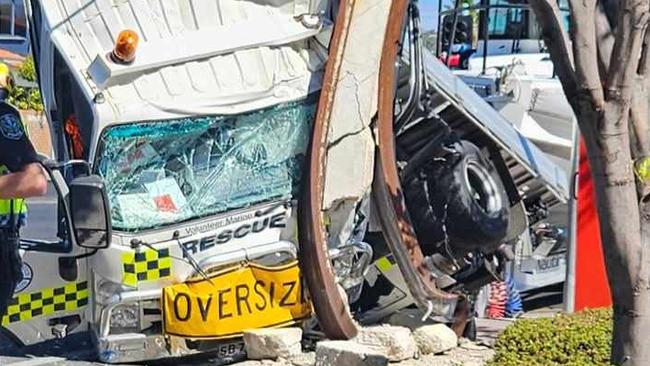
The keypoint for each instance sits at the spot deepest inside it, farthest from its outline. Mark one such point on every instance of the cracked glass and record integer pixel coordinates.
(163, 172)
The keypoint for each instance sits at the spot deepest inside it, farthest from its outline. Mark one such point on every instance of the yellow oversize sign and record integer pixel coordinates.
(235, 300)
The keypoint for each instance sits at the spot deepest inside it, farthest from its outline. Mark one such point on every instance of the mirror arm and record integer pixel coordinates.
(89, 253)
(53, 164)
(44, 246)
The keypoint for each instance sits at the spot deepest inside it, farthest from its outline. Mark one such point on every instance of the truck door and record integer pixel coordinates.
(52, 299)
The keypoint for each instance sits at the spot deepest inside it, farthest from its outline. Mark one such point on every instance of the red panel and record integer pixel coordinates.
(454, 60)
(591, 289)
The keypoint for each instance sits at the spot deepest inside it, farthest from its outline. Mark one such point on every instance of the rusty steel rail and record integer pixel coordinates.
(387, 191)
(330, 306)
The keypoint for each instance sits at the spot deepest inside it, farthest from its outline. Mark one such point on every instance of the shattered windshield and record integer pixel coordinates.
(163, 172)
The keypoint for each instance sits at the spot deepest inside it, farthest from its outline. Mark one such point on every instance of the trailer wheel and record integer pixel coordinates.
(461, 202)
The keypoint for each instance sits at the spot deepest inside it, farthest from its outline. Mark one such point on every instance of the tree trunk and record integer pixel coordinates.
(610, 46)
(608, 144)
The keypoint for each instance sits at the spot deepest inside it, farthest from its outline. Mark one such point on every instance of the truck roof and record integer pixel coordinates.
(194, 57)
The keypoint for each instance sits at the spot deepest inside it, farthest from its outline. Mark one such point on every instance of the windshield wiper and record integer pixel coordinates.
(190, 258)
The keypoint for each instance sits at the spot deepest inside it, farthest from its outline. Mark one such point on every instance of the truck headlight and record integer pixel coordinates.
(125, 317)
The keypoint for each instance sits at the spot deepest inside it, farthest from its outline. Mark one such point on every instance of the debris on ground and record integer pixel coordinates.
(427, 345)
(435, 338)
(478, 356)
(396, 343)
(348, 353)
(273, 343)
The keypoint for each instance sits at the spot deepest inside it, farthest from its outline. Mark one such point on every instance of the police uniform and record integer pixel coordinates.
(16, 151)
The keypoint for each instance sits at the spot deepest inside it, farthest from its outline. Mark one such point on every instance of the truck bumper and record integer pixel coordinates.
(138, 347)
(115, 347)
(130, 347)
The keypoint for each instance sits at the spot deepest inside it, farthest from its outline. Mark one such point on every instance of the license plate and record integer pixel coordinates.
(235, 300)
(550, 263)
(230, 350)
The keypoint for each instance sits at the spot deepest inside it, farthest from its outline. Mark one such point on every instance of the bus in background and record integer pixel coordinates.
(14, 40)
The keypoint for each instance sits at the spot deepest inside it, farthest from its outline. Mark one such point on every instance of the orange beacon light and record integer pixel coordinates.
(125, 47)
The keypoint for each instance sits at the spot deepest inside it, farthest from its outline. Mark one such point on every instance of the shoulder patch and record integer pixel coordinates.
(28, 275)
(10, 127)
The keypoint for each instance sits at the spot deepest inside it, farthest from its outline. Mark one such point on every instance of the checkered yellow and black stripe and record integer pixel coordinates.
(147, 265)
(46, 301)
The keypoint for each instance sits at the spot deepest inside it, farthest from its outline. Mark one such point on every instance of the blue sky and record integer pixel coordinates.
(429, 14)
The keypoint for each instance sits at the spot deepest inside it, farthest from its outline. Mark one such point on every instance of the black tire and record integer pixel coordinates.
(460, 201)
(464, 63)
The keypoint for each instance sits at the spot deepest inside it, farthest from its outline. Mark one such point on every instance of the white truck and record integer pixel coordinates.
(188, 187)
(510, 67)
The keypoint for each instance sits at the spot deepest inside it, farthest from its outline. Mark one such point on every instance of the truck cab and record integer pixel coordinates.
(193, 153)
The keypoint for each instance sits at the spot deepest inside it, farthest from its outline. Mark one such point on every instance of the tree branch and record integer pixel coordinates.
(639, 107)
(639, 115)
(547, 13)
(640, 111)
(583, 31)
(604, 38)
(632, 22)
(644, 63)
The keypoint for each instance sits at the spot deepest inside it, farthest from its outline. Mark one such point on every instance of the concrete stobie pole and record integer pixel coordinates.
(570, 281)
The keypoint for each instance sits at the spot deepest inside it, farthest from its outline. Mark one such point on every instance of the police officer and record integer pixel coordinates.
(20, 177)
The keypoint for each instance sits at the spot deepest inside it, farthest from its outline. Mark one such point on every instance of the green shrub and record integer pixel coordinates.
(579, 339)
(27, 69)
(26, 98)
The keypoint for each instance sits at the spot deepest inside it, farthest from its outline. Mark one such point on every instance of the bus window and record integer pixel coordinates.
(507, 23)
(12, 19)
(13, 27)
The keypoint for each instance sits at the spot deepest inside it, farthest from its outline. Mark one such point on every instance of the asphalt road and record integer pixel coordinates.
(41, 222)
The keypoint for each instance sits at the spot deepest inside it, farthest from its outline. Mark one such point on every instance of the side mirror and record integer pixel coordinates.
(90, 213)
